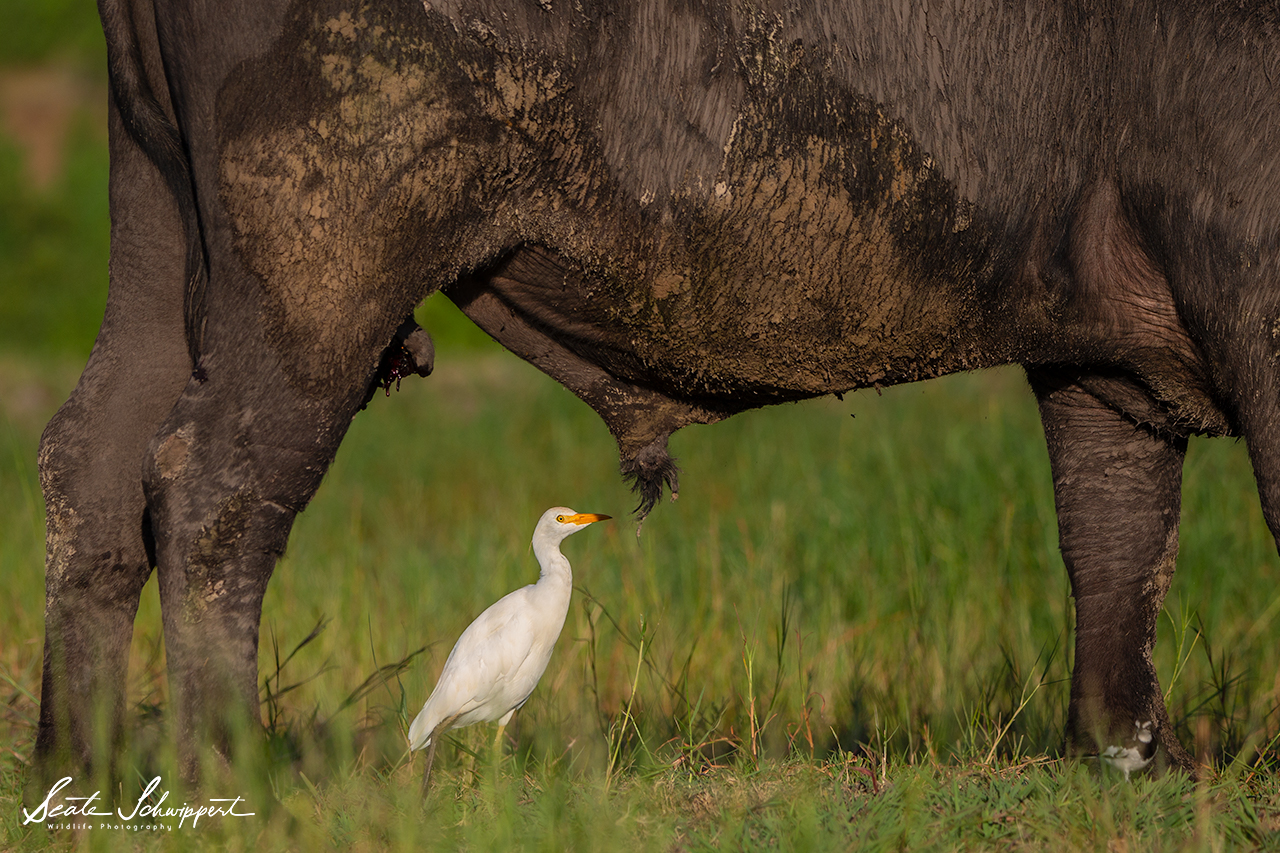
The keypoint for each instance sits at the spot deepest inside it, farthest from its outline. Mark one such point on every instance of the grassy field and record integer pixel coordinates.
(846, 631)
(849, 632)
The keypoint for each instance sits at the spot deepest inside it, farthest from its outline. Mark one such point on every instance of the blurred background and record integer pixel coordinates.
(53, 178)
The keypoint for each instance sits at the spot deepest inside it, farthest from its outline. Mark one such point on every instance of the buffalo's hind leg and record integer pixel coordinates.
(1117, 485)
(91, 474)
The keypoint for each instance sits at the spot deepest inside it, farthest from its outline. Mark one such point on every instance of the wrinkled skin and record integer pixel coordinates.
(679, 209)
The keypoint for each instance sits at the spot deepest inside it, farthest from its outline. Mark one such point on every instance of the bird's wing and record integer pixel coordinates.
(476, 682)
(494, 646)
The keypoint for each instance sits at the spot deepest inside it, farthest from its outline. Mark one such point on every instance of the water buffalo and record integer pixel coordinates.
(679, 209)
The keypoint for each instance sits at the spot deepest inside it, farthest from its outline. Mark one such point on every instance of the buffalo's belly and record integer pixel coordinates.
(751, 318)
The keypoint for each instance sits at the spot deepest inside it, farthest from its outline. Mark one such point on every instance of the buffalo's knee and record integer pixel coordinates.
(217, 537)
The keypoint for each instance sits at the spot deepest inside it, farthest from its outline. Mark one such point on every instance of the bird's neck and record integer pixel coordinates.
(555, 566)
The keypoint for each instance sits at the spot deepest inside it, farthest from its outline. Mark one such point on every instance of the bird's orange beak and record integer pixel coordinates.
(586, 518)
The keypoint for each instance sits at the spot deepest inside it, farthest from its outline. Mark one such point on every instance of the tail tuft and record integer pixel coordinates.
(648, 471)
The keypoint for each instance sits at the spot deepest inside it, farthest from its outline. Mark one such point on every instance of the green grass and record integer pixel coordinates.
(848, 633)
(856, 632)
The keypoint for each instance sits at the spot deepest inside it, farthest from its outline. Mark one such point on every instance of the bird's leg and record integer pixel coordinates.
(497, 751)
(426, 774)
(436, 733)
(497, 741)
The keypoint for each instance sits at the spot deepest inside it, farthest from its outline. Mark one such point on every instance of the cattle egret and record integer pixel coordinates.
(498, 660)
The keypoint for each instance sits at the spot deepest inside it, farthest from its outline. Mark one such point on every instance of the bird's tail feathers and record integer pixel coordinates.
(420, 732)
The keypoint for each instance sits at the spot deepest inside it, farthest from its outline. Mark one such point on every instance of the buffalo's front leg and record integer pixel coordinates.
(1118, 491)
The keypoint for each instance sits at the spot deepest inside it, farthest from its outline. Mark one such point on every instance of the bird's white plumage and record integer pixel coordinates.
(499, 658)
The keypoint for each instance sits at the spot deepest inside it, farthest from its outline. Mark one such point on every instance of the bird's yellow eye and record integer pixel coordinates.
(560, 518)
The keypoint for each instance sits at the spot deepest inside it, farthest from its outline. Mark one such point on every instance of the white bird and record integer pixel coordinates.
(498, 660)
